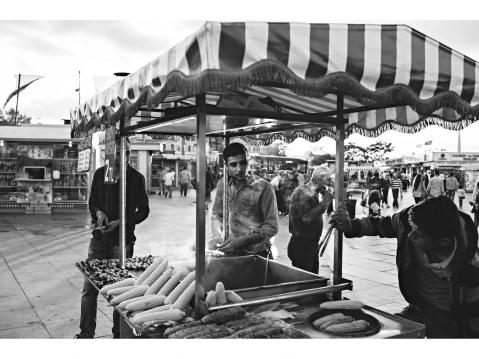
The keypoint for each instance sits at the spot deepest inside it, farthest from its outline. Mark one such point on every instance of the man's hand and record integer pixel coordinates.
(112, 226)
(229, 246)
(213, 244)
(341, 220)
(102, 219)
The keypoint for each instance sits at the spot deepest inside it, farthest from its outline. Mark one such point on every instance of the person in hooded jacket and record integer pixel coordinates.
(437, 260)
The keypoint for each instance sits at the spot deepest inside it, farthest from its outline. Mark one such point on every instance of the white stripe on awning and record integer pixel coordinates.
(403, 60)
(457, 72)
(256, 43)
(299, 49)
(432, 65)
(372, 56)
(411, 115)
(213, 44)
(338, 48)
(475, 99)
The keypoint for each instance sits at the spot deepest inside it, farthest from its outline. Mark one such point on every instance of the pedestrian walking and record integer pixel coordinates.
(384, 185)
(277, 183)
(419, 188)
(169, 182)
(161, 178)
(396, 188)
(306, 220)
(435, 187)
(451, 186)
(104, 208)
(289, 185)
(461, 194)
(184, 179)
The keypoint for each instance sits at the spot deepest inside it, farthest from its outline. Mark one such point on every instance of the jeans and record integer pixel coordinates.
(304, 253)
(183, 188)
(168, 191)
(395, 197)
(384, 198)
(98, 249)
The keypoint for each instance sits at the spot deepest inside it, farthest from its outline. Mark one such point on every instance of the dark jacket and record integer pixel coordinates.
(463, 273)
(105, 197)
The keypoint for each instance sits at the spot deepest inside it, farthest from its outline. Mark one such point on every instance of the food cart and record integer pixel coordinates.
(268, 81)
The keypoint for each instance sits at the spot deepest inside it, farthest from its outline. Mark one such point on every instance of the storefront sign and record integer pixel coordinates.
(84, 160)
(455, 156)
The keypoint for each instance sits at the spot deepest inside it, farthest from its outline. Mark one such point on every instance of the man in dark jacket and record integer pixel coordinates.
(437, 259)
(104, 206)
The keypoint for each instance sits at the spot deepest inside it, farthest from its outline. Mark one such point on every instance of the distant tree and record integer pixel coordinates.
(8, 118)
(378, 151)
(353, 152)
(276, 149)
(317, 160)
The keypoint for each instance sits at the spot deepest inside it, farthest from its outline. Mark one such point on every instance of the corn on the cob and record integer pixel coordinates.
(342, 304)
(123, 283)
(257, 330)
(320, 321)
(211, 298)
(171, 283)
(120, 290)
(224, 315)
(218, 332)
(180, 288)
(345, 319)
(243, 323)
(156, 273)
(123, 304)
(160, 282)
(135, 292)
(220, 294)
(148, 271)
(152, 310)
(204, 328)
(169, 331)
(146, 303)
(185, 297)
(356, 326)
(232, 297)
(295, 333)
(159, 316)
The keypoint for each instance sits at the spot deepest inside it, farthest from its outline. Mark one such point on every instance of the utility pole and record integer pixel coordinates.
(18, 94)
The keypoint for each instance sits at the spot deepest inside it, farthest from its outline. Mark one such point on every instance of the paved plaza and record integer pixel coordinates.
(41, 289)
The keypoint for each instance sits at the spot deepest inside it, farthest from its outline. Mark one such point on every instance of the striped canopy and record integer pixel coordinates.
(391, 76)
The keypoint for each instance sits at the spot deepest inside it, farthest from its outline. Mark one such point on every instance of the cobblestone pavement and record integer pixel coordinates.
(40, 288)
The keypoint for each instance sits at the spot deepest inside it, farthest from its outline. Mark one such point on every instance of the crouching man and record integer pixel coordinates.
(437, 260)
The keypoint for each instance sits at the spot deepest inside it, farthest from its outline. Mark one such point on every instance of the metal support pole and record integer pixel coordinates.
(226, 227)
(123, 165)
(339, 192)
(18, 94)
(200, 202)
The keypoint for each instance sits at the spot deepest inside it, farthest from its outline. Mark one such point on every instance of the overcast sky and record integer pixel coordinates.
(58, 49)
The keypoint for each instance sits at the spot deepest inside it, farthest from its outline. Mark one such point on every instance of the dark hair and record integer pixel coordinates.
(437, 217)
(436, 172)
(417, 181)
(234, 149)
(374, 196)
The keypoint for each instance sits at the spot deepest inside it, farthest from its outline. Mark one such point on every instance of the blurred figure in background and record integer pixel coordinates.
(452, 185)
(384, 185)
(435, 187)
(419, 188)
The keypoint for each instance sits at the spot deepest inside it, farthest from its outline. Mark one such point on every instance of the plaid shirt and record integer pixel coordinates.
(252, 209)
